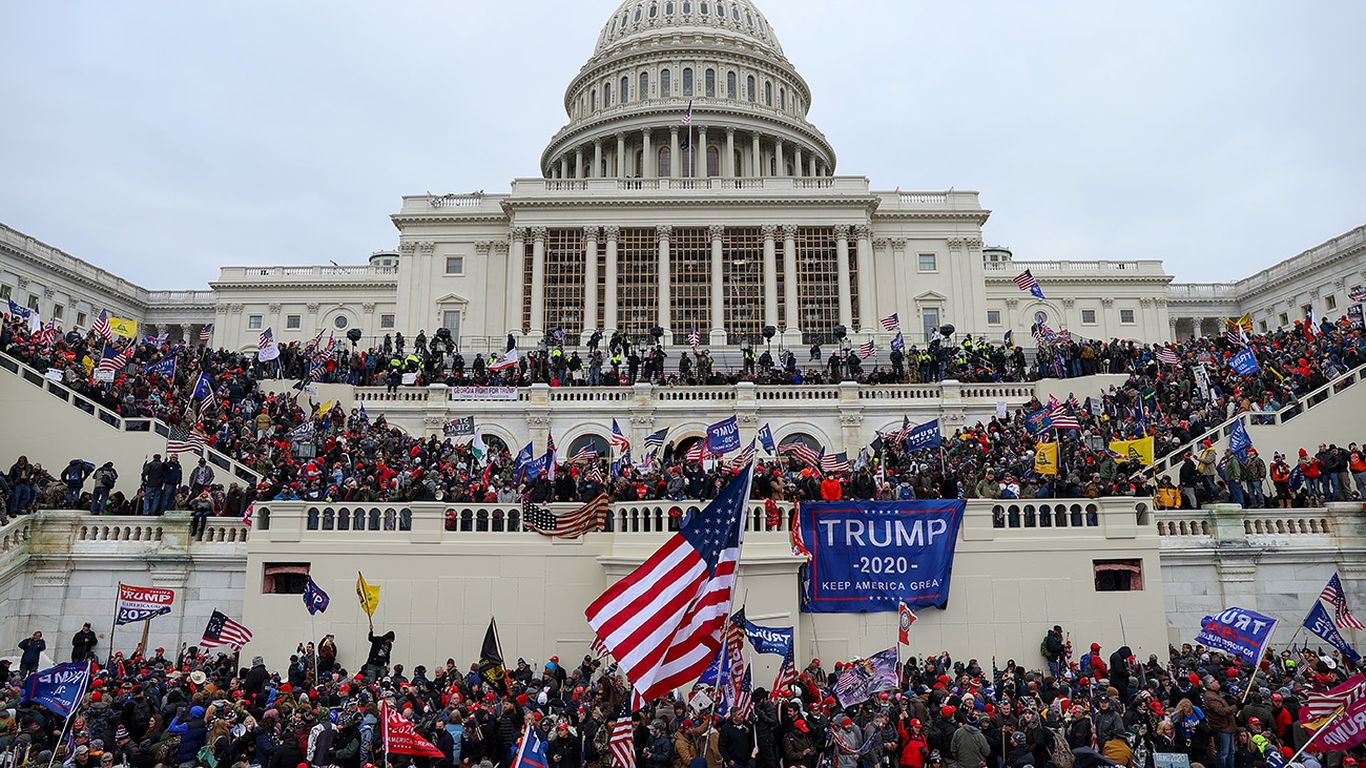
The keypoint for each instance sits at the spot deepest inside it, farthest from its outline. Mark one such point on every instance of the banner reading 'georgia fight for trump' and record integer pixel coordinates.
(873, 555)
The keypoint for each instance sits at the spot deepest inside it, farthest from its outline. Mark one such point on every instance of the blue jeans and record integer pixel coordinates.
(22, 498)
(1235, 493)
(1223, 743)
(73, 495)
(1054, 667)
(1255, 496)
(99, 498)
(168, 498)
(151, 501)
(1335, 485)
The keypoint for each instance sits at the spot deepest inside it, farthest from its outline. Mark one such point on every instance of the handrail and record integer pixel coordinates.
(116, 421)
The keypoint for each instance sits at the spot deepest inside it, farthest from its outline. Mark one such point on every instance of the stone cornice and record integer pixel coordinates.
(979, 216)
(88, 283)
(444, 216)
(297, 284)
(569, 201)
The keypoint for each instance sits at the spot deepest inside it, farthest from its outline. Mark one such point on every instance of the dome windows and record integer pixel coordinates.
(711, 83)
(687, 81)
(730, 85)
(643, 92)
(687, 6)
(625, 88)
(749, 88)
(606, 95)
(782, 99)
(749, 19)
(637, 16)
(669, 8)
(735, 12)
(654, 10)
(721, 11)
(662, 166)
(665, 84)
(703, 6)
(768, 93)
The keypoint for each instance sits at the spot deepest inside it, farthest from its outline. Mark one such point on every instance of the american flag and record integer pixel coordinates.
(159, 339)
(1233, 333)
(265, 341)
(184, 440)
(742, 700)
(734, 642)
(101, 326)
(49, 335)
(656, 440)
(586, 519)
(835, 462)
(1357, 294)
(891, 323)
(205, 331)
(1026, 282)
(663, 621)
(247, 513)
(1323, 703)
(586, 453)
(622, 743)
(865, 350)
(787, 674)
(1043, 333)
(224, 631)
(617, 439)
(801, 452)
(687, 116)
(1060, 416)
(1166, 356)
(693, 338)
(698, 451)
(598, 649)
(1334, 594)
(900, 435)
(739, 460)
(115, 361)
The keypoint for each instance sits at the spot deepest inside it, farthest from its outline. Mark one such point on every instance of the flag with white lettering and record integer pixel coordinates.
(1239, 632)
(58, 688)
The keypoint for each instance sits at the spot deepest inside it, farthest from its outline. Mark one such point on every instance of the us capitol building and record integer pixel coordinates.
(687, 191)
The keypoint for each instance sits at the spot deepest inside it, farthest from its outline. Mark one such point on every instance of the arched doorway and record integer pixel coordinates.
(587, 447)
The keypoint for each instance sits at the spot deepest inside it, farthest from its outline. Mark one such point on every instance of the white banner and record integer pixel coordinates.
(483, 393)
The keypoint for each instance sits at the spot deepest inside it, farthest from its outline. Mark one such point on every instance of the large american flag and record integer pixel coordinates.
(1323, 703)
(183, 440)
(891, 323)
(115, 361)
(1060, 416)
(265, 340)
(101, 326)
(698, 451)
(571, 525)
(1026, 282)
(787, 673)
(662, 622)
(741, 459)
(586, 453)
(224, 631)
(835, 462)
(801, 452)
(1166, 356)
(617, 439)
(622, 743)
(1334, 594)
(865, 349)
(205, 331)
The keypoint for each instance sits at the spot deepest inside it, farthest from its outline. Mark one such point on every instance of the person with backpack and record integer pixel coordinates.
(1051, 648)
(77, 470)
(105, 477)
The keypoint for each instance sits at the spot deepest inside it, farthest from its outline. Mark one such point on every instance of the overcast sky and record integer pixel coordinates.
(162, 140)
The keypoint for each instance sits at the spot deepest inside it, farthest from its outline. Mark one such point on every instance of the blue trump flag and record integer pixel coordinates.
(58, 688)
(1238, 440)
(723, 436)
(766, 439)
(1245, 362)
(165, 366)
(924, 436)
(1238, 632)
(531, 752)
(315, 599)
(875, 555)
(1320, 623)
(769, 639)
(204, 388)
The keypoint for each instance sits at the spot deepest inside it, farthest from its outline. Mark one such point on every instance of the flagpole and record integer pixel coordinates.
(80, 694)
(313, 635)
(1252, 677)
(114, 623)
(1308, 743)
(730, 602)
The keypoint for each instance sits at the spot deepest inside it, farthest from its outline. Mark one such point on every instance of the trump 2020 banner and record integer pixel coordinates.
(58, 688)
(875, 555)
(1237, 631)
(142, 603)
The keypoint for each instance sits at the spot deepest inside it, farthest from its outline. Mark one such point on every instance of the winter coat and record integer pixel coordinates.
(969, 747)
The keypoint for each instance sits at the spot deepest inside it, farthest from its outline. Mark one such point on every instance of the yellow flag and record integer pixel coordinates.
(368, 594)
(1140, 450)
(128, 329)
(1245, 322)
(1046, 459)
(327, 406)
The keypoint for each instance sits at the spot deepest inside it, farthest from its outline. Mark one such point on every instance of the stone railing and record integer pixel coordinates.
(13, 535)
(61, 261)
(1338, 525)
(1128, 268)
(65, 533)
(1200, 292)
(284, 273)
(767, 185)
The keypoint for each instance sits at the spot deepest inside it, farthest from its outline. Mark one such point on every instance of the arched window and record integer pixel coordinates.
(687, 6)
(687, 81)
(593, 101)
(606, 95)
(768, 93)
(772, 165)
(735, 12)
(721, 11)
(704, 7)
(640, 158)
(730, 85)
(662, 167)
(749, 19)
(669, 8)
(713, 161)
(737, 165)
(711, 83)
(637, 16)
(749, 88)
(626, 89)
(654, 10)
(665, 84)
(643, 92)
(782, 98)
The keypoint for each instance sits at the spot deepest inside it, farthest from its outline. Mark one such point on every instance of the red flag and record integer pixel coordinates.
(907, 619)
(400, 738)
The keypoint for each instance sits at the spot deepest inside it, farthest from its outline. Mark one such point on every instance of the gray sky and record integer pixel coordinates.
(164, 139)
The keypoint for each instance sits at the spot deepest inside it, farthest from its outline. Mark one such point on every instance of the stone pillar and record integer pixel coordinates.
(792, 333)
(864, 233)
(674, 163)
(621, 154)
(578, 163)
(1171, 326)
(609, 304)
(718, 287)
(590, 282)
(187, 333)
(664, 317)
(596, 171)
(699, 154)
(813, 165)
(778, 169)
(516, 267)
(647, 156)
(538, 282)
(754, 164)
(842, 276)
(729, 164)
(770, 275)
(797, 161)
(564, 166)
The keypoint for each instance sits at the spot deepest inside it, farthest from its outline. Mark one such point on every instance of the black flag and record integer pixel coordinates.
(491, 659)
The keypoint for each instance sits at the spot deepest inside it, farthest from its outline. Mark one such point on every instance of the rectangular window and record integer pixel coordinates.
(929, 320)
(993, 317)
(637, 281)
(293, 322)
(254, 322)
(1118, 575)
(1329, 302)
(929, 262)
(6, 292)
(743, 271)
(1126, 316)
(80, 318)
(284, 578)
(32, 301)
(690, 281)
(455, 265)
(1285, 320)
(818, 302)
(57, 311)
(386, 321)
(1088, 317)
(565, 272)
(450, 320)
(1262, 326)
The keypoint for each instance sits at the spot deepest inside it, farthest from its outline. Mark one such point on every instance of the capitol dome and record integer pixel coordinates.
(719, 63)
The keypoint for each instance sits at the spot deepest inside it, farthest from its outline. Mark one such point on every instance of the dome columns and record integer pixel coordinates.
(754, 153)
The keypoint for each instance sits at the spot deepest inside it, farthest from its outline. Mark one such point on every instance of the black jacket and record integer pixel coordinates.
(736, 743)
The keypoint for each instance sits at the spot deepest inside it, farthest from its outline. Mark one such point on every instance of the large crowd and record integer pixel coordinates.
(356, 457)
(1101, 708)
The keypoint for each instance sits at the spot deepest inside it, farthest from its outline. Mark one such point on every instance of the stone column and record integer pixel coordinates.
(187, 333)
(590, 282)
(564, 166)
(647, 156)
(813, 165)
(538, 282)
(864, 233)
(842, 276)
(792, 333)
(516, 267)
(778, 170)
(621, 154)
(729, 164)
(674, 163)
(596, 171)
(578, 163)
(664, 317)
(718, 287)
(770, 275)
(1171, 326)
(754, 163)
(609, 304)
(699, 153)
(797, 161)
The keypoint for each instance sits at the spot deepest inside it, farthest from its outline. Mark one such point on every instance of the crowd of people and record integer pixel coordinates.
(1103, 708)
(356, 457)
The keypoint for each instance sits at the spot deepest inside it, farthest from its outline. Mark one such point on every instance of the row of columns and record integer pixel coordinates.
(189, 332)
(593, 236)
(576, 165)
